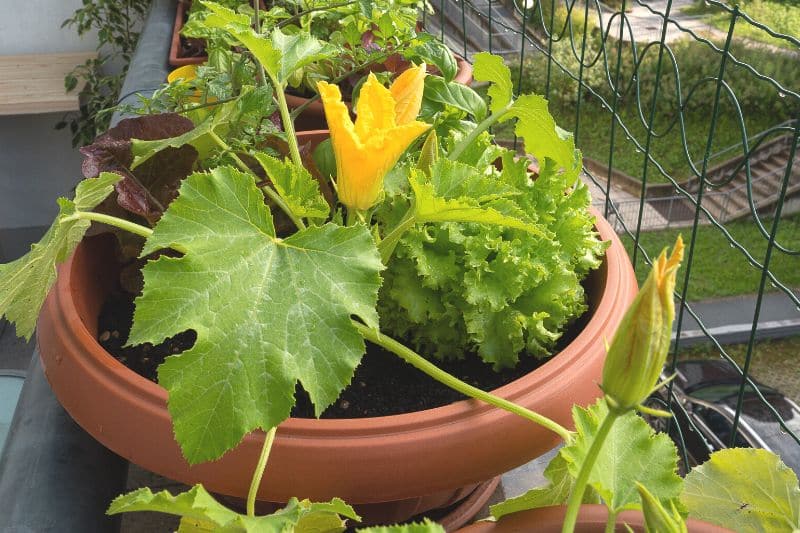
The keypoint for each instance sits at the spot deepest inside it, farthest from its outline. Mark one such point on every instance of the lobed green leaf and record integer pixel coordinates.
(744, 489)
(25, 282)
(268, 312)
(296, 186)
(632, 452)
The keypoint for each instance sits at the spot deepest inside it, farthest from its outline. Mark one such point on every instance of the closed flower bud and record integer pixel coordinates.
(656, 518)
(639, 347)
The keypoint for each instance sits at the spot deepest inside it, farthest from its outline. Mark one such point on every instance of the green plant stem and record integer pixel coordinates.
(288, 125)
(259, 473)
(576, 498)
(484, 125)
(275, 197)
(260, 74)
(269, 191)
(389, 243)
(222, 144)
(293, 18)
(120, 223)
(206, 104)
(611, 522)
(420, 363)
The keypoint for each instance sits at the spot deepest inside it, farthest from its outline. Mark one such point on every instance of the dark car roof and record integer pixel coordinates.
(712, 381)
(758, 417)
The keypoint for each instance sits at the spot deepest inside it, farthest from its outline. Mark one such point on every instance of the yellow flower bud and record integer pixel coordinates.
(384, 128)
(639, 348)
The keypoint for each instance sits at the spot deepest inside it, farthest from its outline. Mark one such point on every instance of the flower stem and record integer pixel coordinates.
(420, 363)
(259, 473)
(484, 125)
(575, 499)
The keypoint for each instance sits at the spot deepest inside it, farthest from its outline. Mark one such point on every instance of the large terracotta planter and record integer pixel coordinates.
(591, 519)
(407, 463)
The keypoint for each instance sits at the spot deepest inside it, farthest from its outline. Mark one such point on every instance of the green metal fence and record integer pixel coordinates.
(685, 105)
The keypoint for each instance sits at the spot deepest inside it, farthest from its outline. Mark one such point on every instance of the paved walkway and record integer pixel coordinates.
(646, 22)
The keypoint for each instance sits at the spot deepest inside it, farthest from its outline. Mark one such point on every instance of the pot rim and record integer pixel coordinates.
(541, 379)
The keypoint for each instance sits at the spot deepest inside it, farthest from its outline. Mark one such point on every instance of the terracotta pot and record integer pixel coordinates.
(313, 116)
(396, 466)
(175, 57)
(591, 519)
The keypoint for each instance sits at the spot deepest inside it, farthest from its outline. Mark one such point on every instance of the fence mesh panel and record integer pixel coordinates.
(688, 116)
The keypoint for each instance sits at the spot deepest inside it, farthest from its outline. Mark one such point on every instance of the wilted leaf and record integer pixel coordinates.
(426, 526)
(201, 513)
(151, 187)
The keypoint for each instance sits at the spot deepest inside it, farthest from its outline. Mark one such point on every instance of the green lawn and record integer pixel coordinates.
(782, 16)
(719, 269)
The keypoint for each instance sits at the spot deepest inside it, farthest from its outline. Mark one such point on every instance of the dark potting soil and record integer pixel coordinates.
(383, 384)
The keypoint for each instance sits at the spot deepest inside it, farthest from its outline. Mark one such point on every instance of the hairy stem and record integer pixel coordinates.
(575, 499)
(269, 191)
(484, 125)
(275, 197)
(420, 363)
(120, 223)
(611, 522)
(259, 473)
(260, 75)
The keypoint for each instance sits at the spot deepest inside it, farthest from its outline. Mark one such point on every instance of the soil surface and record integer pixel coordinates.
(383, 384)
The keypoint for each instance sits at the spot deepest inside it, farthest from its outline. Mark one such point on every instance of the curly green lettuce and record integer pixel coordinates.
(453, 288)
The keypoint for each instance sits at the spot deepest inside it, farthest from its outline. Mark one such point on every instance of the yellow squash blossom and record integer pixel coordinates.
(384, 128)
(186, 73)
(639, 348)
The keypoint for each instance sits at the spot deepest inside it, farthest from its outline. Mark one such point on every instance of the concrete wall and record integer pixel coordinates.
(37, 163)
(34, 27)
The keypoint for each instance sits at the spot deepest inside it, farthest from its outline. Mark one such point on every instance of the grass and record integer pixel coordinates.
(774, 362)
(667, 145)
(594, 139)
(719, 269)
(781, 16)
